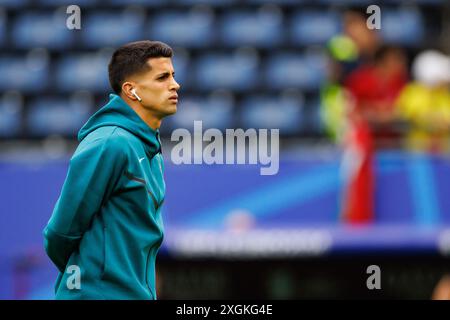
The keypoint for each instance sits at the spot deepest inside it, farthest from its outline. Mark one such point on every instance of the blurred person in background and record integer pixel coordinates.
(374, 88)
(107, 220)
(357, 107)
(425, 103)
(355, 46)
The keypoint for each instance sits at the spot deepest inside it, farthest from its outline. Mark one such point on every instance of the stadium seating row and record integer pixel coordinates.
(266, 27)
(239, 71)
(48, 115)
(158, 3)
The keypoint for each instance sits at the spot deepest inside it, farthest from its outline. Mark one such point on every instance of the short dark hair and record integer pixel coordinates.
(132, 59)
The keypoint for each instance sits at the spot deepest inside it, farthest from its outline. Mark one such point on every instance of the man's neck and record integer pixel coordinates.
(148, 117)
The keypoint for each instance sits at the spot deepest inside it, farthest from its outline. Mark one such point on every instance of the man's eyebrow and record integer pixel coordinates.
(166, 73)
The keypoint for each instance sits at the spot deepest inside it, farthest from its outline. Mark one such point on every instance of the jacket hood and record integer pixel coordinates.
(118, 113)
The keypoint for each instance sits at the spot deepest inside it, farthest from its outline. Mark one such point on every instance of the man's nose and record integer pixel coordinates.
(175, 85)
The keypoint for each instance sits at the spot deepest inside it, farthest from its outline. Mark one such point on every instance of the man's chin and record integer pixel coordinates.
(170, 110)
(173, 110)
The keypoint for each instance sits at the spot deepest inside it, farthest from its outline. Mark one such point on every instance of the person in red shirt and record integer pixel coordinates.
(374, 88)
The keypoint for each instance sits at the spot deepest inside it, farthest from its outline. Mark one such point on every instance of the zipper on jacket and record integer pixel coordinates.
(146, 274)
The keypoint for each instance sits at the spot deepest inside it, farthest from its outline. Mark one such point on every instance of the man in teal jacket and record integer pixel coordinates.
(106, 227)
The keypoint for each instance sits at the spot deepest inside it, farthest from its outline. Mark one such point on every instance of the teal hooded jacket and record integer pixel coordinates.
(107, 225)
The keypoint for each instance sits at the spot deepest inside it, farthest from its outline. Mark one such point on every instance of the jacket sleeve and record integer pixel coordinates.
(93, 172)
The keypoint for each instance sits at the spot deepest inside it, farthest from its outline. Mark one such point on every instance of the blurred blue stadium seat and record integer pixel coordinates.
(420, 2)
(215, 111)
(311, 112)
(314, 27)
(301, 71)
(13, 3)
(28, 74)
(276, 2)
(3, 30)
(238, 71)
(402, 27)
(85, 71)
(80, 3)
(349, 2)
(47, 30)
(208, 2)
(284, 113)
(192, 29)
(250, 28)
(10, 115)
(181, 63)
(102, 29)
(57, 116)
(137, 2)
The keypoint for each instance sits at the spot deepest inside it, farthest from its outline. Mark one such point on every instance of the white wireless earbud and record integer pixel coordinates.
(133, 91)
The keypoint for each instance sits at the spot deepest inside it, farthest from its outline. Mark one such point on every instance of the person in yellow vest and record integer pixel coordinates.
(425, 103)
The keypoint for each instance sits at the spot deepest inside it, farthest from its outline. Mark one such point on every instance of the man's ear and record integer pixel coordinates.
(126, 90)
